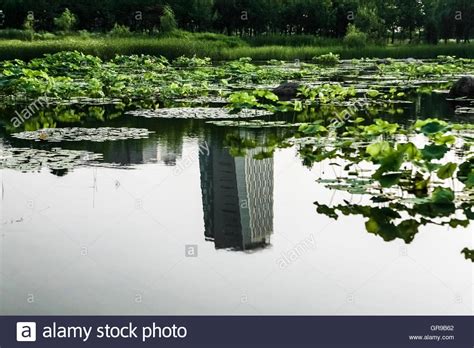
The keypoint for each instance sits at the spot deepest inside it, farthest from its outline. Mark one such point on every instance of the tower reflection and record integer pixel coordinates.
(237, 195)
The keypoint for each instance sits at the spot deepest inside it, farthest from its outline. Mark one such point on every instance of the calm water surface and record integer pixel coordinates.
(179, 226)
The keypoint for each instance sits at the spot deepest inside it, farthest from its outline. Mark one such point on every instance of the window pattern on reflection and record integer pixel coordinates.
(237, 194)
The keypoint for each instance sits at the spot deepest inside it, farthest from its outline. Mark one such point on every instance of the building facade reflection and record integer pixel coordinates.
(237, 194)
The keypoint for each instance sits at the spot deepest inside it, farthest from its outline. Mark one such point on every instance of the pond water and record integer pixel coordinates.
(177, 224)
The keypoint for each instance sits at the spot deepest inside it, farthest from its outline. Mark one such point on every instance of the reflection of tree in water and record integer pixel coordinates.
(403, 199)
(165, 145)
(401, 206)
(400, 221)
(413, 181)
(237, 175)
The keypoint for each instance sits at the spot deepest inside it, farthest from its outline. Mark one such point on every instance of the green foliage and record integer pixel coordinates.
(367, 21)
(380, 127)
(468, 254)
(414, 174)
(216, 47)
(402, 181)
(16, 34)
(120, 31)
(68, 75)
(329, 59)
(327, 93)
(168, 21)
(434, 152)
(29, 23)
(466, 172)
(355, 38)
(446, 171)
(432, 127)
(66, 21)
(192, 62)
(294, 23)
(442, 195)
(292, 40)
(257, 99)
(312, 129)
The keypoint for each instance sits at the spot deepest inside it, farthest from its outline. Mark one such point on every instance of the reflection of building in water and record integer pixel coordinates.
(131, 152)
(237, 195)
(168, 155)
(143, 151)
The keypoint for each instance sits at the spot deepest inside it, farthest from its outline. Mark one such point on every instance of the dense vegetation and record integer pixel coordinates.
(145, 78)
(217, 47)
(226, 30)
(66, 66)
(346, 115)
(380, 21)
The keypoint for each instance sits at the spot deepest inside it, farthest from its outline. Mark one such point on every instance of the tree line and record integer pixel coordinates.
(382, 20)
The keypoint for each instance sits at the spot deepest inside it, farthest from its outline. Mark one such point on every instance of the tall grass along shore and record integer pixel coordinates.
(108, 47)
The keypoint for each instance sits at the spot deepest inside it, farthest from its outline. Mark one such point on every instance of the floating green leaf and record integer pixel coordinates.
(446, 171)
(432, 128)
(442, 195)
(432, 152)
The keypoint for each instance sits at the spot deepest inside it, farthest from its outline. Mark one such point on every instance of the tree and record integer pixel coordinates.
(194, 15)
(464, 18)
(229, 16)
(455, 18)
(390, 14)
(431, 21)
(368, 21)
(355, 38)
(65, 21)
(380, 19)
(411, 16)
(168, 20)
(29, 23)
(344, 14)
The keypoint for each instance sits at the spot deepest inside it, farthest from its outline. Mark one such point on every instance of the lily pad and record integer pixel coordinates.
(83, 134)
(198, 113)
(254, 124)
(27, 159)
(84, 101)
(465, 111)
(203, 100)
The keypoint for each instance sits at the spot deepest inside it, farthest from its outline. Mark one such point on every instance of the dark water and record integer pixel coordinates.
(175, 224)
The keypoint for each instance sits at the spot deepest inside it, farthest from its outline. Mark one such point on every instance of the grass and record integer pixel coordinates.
(210, 46)
(291, 40)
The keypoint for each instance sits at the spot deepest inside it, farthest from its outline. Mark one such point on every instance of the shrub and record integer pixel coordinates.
(355, 38)
(369, 22)
(228, 41)
(44, 36)
(16, 34)
(192, 62)
(329, 59)
(292, 40)
(84, 34)
(65, 21)
(119, 31)
(431, 32)
(177, 34)
(168, 20)
(29, 23)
